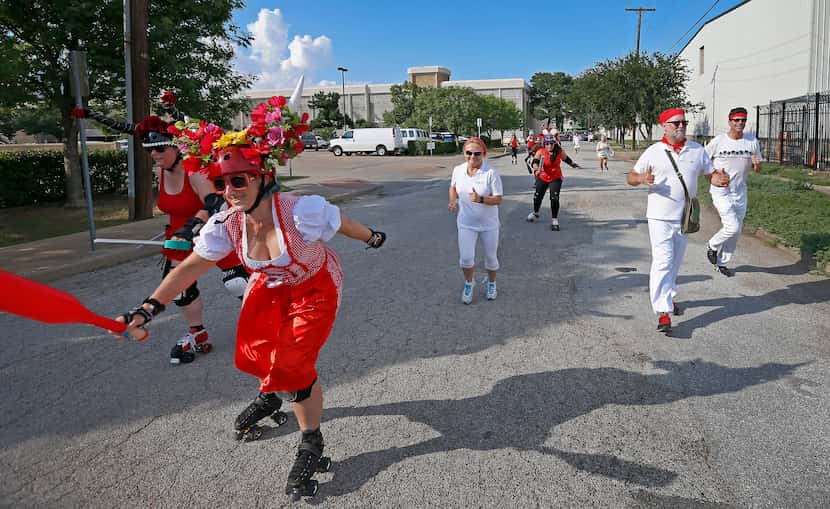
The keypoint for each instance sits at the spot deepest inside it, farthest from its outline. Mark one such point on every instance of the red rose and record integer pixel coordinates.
(192, 165)
(277, 101)
(257, 130)
(299, 147)
(304, 118)
(301, 128)
(168, 97)
(258, 114)
(175, 131)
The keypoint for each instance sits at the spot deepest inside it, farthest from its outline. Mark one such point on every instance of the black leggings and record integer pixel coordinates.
(539, 195)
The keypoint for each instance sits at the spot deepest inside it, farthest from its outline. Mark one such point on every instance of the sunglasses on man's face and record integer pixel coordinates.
(678, 123)
(471, 153)
(238, 182)
(738, 120)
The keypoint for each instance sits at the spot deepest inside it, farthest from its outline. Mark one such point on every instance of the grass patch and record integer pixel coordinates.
(35, 222)
(797, 173)
(790, 210)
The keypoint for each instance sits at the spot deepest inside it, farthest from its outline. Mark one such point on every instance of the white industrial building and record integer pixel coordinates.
(755, 53)
(371, 101)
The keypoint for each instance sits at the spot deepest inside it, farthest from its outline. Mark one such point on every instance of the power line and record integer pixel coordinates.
(694, 24)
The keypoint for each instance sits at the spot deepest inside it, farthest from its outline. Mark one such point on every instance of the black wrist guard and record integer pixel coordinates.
(190, 229)
(158, 307)
(376, 239)
(570, 161)
(213, 202)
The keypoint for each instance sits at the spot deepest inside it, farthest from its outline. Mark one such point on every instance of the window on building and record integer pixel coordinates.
(700, 61)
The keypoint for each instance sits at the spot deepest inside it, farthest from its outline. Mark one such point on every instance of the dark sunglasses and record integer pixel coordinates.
(678, 123)
(471, 153)
(738, 120)
(159, 148)
(239, 182)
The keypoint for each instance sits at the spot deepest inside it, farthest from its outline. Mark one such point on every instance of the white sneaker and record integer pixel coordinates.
(533, 216)
(467, 292)
(492, 293)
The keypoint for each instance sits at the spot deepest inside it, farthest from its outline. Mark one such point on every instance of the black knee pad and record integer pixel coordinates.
(188, 296)
(296, 396)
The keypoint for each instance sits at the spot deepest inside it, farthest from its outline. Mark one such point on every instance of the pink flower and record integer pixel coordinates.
(273, 116)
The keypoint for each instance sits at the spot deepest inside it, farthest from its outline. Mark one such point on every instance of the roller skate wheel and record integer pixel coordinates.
(249, 434)
(306, 489)
(174, 360)
(205, 347)
(324, 465)
(279, 417)
(187, 357)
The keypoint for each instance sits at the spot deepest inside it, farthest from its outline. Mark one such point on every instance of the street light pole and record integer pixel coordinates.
(343, 71)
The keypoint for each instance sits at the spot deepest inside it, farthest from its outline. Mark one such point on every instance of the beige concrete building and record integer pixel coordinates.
(370, 101)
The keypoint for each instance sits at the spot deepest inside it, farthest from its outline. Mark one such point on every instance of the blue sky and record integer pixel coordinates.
(378, 40)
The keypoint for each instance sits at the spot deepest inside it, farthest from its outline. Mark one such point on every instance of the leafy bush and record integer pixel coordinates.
(37, 176)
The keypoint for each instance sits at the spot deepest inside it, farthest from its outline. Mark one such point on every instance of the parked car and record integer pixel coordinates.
(380, 140)
(310, 141)
(122, 144)
(413, 134)
(322, 143)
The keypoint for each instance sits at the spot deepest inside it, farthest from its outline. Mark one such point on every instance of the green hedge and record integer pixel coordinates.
(37, 176)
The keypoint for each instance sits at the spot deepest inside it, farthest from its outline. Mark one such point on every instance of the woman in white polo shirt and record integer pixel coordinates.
(476, 192)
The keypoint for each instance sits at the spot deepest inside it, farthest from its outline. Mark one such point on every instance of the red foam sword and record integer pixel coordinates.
(36, 301)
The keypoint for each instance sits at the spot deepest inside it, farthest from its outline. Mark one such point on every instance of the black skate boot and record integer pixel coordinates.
(309, 461)
(265, 404)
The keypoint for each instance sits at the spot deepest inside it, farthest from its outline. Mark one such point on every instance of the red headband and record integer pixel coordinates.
(737, 115)
(669, 113)
(480, 143)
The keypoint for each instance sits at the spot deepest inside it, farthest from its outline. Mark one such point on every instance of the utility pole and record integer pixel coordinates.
(140, 60)
(639, 11)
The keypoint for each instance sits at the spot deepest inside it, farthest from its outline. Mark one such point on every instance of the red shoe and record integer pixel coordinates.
(664, 323)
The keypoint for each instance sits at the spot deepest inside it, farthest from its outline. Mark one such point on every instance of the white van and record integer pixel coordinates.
(382, 140)
(413, 134)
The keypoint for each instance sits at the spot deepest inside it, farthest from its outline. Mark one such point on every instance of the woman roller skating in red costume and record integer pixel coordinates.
(295, 286)
(189, 201)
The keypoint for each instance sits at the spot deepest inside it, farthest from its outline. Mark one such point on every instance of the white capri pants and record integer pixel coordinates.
(467, 248)
(668, 246)
(732, 210)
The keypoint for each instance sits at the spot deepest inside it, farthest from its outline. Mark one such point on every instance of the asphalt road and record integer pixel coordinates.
(558, 394)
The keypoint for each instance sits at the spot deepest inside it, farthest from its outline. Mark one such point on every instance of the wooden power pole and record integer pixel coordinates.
(140, 61)
(639, 11)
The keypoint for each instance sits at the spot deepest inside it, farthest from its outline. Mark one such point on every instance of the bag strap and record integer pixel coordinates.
(677, 171)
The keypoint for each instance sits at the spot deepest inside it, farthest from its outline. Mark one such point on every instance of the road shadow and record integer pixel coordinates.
(729, 307)
(520, 412)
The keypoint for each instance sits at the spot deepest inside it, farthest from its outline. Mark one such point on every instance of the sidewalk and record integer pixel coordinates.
(50, 259)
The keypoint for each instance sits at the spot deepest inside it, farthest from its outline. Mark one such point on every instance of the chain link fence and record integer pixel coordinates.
(796, 131)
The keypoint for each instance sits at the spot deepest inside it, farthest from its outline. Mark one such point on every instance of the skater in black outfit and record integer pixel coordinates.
(548, 171)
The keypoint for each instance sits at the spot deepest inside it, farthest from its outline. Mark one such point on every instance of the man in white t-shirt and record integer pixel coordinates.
(576, 141)
(666, 199)
(738, 153)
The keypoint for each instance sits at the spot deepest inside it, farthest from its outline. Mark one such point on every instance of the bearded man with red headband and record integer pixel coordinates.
(295, 286)
(738, 153)
(667, 188)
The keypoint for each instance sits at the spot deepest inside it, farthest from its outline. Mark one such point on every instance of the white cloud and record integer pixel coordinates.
(277, 62)
(326, 83)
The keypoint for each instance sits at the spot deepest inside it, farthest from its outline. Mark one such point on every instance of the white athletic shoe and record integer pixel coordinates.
(467, 292)
(492, 293)
(533, 216)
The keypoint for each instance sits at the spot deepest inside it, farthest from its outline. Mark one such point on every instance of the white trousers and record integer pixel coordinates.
(732, 210)
(467, 248)
(667, 248)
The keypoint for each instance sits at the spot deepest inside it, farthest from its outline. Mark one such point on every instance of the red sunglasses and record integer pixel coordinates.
(238, 182)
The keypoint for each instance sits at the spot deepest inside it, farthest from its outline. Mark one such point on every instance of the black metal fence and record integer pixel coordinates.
(796, 131)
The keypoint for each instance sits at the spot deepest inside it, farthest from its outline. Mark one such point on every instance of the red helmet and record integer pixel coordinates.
(237, 159)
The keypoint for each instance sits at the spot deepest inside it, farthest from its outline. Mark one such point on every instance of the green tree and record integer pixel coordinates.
(451, 108)
(498, 114)
(191, 46)
(403, 104)
(549, 96)
(326, 110)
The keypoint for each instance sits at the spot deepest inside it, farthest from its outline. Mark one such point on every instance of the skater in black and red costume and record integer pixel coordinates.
(188, 200)
(294, 291)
